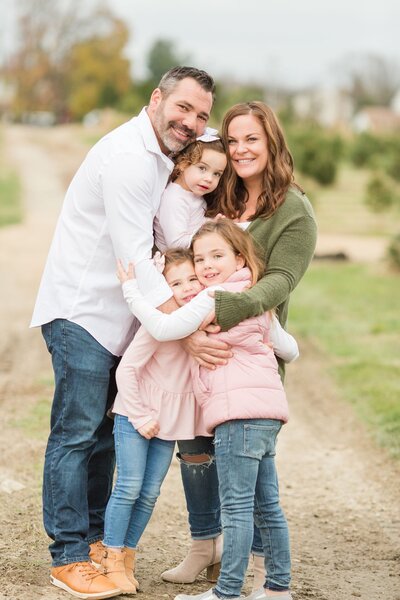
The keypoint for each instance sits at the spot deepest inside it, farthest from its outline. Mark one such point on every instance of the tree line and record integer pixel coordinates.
(69, 59)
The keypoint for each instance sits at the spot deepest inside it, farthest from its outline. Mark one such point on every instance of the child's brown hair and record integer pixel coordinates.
(177, 256)
(191, 155)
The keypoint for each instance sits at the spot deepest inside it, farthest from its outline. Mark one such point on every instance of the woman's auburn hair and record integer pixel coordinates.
(278, 176)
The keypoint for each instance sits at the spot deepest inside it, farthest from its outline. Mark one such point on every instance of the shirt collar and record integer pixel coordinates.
(150, 138)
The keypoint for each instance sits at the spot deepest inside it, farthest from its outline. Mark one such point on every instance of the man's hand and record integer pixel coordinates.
(207, 352)
(150, 430)
(125, 275)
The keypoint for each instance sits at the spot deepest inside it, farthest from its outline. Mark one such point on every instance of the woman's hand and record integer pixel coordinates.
(125, 275)
(209, 353)
(150, 430)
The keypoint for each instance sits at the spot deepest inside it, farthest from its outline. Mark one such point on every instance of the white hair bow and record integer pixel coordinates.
(209, 135)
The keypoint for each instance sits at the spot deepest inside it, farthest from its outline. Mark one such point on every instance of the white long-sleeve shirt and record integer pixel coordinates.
(107, 214)
(180, 215)
(185, 320)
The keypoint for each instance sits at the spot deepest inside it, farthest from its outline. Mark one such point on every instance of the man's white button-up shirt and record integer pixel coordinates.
(107, 214)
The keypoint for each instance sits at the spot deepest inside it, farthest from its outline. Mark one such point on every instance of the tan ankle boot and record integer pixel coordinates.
(130, 556)
(113, 566)
(96, 551)
(203, 554)
(258, 572)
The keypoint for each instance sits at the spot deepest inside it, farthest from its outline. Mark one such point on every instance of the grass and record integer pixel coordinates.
(350, 312)
(340, 208)
(10, 193)
(37, 420)
(10, 198)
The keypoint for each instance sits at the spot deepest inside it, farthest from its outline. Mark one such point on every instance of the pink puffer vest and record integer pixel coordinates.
(249, 386)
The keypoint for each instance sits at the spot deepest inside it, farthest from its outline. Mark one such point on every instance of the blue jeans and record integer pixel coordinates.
(141, 468)
(200, 484)
(79, 461)
(248, 488)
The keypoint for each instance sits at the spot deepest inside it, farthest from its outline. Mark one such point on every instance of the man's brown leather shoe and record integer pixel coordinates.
(83, 580)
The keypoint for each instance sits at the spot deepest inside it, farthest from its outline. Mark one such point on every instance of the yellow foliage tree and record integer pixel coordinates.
(98, 73)
(67, 61)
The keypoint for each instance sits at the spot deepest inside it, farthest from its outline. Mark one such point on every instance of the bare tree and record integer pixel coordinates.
(370, 79)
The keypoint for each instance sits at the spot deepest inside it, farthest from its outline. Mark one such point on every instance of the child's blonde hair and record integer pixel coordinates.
(240, 242)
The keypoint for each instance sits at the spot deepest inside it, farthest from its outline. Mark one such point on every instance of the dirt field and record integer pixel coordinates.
(341, 493)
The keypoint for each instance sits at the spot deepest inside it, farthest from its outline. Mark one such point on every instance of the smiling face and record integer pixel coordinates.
(203, 177)
(214, 259)
(181, 116)
(248, 147)
(183, 281)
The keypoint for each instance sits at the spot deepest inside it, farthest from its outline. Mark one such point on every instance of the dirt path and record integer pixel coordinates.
(341, 494)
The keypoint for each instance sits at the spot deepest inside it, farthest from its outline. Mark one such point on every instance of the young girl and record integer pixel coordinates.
(197, 173)
(243, 403)
(154, 406)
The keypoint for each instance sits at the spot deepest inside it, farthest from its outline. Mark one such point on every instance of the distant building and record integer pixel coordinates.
(328, 107)
(376, 119)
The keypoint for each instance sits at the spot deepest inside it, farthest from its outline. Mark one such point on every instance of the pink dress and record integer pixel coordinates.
(154, 382)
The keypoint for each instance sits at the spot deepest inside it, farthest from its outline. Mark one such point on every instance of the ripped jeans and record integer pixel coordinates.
(200, 484)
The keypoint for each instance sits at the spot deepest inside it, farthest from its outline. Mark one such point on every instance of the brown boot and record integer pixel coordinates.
(96, 552)
(258, 572)
(202, 554)
(113, 565)
(130, 556)
(82, 580)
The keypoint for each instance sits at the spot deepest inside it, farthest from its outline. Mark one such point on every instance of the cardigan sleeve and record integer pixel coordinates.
(288, 261)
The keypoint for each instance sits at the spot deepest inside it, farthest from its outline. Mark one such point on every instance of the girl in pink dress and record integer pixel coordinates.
(155, 405)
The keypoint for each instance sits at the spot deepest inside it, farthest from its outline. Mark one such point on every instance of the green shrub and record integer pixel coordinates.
(393, 252)
(393, 164)
(379, 194)
(365, 149)
(316, 152)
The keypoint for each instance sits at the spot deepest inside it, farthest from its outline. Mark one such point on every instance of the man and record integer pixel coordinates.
(107, 214)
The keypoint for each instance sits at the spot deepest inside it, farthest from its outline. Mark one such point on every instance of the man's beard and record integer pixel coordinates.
(167, 136)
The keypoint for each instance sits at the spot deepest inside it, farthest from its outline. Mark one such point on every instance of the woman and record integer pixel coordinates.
(259, 192)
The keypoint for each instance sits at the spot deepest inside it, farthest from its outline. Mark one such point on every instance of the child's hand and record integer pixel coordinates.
(150, 430)
(125, 275)
(218, 217)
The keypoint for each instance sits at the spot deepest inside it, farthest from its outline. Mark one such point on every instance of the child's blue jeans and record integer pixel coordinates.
(248, 485)
(141, 468)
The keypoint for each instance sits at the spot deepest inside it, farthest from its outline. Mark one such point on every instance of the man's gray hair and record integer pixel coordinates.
(176, 74)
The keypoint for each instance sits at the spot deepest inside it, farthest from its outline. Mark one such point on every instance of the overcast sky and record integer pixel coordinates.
(290, 42)
(294, 42)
